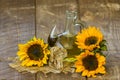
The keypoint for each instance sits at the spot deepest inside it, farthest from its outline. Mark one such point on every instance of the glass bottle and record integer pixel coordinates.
(67, 38)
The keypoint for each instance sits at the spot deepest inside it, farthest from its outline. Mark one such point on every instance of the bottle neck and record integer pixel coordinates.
(70, 19)
(69, 26)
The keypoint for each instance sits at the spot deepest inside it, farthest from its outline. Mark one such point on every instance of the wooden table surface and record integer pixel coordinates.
(20, 20)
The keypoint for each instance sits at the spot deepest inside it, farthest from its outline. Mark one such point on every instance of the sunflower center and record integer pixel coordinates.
(90, 62)
(35, 52)
(91, 40)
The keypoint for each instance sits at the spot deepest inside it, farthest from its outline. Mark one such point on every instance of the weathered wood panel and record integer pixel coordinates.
(16, 26)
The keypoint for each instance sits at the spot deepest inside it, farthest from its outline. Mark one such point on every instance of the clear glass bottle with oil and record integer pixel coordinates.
(67, 38)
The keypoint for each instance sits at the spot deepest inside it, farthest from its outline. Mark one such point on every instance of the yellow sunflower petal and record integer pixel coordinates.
(23, 57)
(83, 39)
(28, 53)
(40, 64)
(44, 60)
(25, 62)
(78, 63)
(84, 73)
(22, 47)
(80, 69)
(101, 59)
(19, 53)
(83, 64)
(91, 73)
(34, 38)
(101, 70)
(30, 63)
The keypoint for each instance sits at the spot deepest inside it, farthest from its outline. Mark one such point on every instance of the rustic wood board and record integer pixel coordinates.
(17, 25)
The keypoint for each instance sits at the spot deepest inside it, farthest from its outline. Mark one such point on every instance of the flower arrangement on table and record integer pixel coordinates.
(92, 60)
(35, 55)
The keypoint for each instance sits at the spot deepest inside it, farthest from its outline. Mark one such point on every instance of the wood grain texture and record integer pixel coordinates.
(17, 25)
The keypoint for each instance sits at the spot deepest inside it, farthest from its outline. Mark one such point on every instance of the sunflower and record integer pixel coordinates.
(33, 53)
(89, 38)
(90, 64)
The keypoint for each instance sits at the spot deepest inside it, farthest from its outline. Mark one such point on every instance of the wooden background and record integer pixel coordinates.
(20, 20)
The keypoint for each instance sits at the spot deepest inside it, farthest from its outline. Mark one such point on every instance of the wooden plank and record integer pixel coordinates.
(60, 76)
(16, 26)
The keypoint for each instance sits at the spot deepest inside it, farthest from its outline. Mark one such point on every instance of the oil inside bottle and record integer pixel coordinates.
(68, 42)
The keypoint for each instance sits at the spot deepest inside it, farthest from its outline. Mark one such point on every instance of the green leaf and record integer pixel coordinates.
(104, 48)
(96, 50)
(70, 59)
(103, 42)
